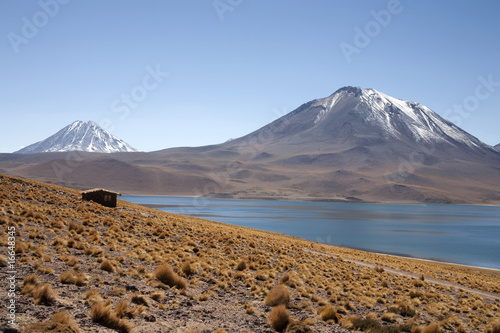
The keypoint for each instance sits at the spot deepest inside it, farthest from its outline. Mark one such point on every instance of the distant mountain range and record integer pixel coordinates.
(79, 136)
(354, 145)
(497, 147)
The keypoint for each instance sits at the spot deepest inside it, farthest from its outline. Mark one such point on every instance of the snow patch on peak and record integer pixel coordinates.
(326, 106)
(423, 123)
(82, 136)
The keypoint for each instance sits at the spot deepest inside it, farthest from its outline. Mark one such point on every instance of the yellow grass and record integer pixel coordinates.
(158, 252)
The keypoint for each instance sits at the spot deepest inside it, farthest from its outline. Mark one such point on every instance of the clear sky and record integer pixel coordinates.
(169, 73)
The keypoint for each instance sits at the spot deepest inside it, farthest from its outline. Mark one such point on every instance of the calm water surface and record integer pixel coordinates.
(467, 235)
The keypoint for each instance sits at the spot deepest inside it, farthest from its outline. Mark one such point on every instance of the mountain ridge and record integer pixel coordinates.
(79, 136)
(355, 104)
(354, 145)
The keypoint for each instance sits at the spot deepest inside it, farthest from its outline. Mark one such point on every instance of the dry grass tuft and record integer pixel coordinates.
(298, 327)
(103, 315)
(107, 266)
(81, 280)
(3, 261)
(277, 296)
(158, 295)
(122, 309)
(494, 326)
(65, 319)
(31, 279)
(431, 328)
(187, 269)
(166, 275)
(328, 312)
(404, 310)
(242, 265)
(279, 317)
(67, 277)
(44, 295)
(92, 297)
(139, 299)
(60, 322)
(389, 317)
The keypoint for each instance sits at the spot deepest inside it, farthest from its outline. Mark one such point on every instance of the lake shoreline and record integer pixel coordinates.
(306, 199)
(432, 232)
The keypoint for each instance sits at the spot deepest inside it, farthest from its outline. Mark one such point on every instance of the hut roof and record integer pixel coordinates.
(101, 189)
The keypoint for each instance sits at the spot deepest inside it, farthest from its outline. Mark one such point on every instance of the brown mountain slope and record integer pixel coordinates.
(81, 267)
(355, 145)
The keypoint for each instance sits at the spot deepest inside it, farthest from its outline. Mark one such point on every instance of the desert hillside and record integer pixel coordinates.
(81, 267)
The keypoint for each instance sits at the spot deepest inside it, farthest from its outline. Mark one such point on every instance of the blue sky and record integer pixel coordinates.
(168, 73)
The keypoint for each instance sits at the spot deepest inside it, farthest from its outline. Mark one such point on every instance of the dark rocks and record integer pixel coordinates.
(150, 318)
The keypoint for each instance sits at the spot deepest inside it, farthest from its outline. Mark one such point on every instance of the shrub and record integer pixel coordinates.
(166, 275)
(186, 268)
(157, 295)
(295, 327)
(277, 296)
(388, 317)
(242, 265)
(103, 315)
(279, 318)
(31, 279)
(65, 319)
(328, 312)
(80, 280)
(285, 278)
(71, 261)
(107, 266)
(44, 295)
(494, 326)
(76, 227)
(139, 299)
(431, 328)
(3, 261)
(30, 282)
(60, 322)
(67, 277)
(92, 297)
(122, 309)
(403, 310)
(205, 296)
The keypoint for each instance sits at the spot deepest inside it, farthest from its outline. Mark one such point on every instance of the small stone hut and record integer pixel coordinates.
(101, 196)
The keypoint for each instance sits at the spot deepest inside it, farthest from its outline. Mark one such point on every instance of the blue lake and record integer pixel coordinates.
(460, 234)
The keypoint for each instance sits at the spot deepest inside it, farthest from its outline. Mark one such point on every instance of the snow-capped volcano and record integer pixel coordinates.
(352, 116)
(80, 136)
